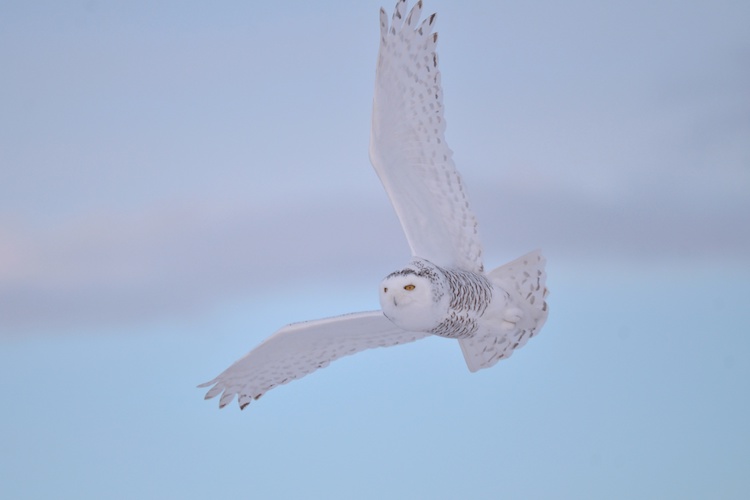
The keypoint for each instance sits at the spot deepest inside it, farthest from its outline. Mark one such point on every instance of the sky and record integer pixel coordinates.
(178, 180)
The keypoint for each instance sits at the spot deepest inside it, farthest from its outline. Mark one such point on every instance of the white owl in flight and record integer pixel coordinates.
(443, 290)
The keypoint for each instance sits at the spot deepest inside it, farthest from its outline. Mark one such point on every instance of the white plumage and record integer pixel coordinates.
(408, 148)
(443, 290)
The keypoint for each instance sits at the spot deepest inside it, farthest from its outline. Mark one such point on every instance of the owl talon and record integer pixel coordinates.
(507, 326)
(511, 319)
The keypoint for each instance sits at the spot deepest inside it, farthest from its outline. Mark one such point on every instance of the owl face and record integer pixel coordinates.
(407, 299)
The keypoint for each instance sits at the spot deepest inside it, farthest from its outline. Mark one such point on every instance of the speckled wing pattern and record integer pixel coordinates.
(301, 348)
(408, 148)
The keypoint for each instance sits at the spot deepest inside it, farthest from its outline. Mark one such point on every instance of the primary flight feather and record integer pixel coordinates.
(443, 290)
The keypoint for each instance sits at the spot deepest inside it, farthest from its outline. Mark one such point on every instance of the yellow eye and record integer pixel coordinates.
(409, 287)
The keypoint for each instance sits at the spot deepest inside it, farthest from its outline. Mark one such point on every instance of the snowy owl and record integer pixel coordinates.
(443, 290)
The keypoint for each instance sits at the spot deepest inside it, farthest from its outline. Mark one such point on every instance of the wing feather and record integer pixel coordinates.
(408, 148)
(301, 348)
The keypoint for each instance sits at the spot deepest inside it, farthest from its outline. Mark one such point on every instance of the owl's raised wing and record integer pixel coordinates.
(301, 348)
(408, 148)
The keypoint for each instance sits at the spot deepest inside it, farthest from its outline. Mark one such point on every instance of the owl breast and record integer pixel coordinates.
(470, 297)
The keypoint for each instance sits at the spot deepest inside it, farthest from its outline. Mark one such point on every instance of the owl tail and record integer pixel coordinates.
(525, 281)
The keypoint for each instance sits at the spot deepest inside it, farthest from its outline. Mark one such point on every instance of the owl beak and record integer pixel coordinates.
(395, 302)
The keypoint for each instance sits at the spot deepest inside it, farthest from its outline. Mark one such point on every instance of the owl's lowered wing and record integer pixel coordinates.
(301, 348)
(408, 148)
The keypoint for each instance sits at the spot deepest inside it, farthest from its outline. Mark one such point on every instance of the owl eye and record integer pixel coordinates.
(385, 290)
(409, 287)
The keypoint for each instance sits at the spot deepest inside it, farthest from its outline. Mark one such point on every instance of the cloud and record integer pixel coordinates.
(175, 258)
(185, 257)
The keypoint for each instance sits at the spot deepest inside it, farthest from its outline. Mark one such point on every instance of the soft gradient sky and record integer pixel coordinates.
(179, 179)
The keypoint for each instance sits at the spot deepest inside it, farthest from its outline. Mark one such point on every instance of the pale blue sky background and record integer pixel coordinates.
(179, 180)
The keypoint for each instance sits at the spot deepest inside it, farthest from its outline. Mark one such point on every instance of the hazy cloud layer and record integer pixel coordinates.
(182, 259)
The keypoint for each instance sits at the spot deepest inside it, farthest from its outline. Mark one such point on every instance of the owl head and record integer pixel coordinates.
(410, 299)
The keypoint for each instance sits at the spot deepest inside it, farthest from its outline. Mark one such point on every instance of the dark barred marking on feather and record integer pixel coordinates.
(456, 326)
(469, 291)
(470, 295)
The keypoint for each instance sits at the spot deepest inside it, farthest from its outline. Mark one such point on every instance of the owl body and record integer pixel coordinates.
(452, 303)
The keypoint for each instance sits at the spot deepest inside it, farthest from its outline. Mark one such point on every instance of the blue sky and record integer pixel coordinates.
(179, 180)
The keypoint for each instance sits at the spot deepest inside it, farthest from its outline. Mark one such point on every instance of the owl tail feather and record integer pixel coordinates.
(525, 281)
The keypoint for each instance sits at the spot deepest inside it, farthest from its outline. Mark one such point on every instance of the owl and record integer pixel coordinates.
(444, 289)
